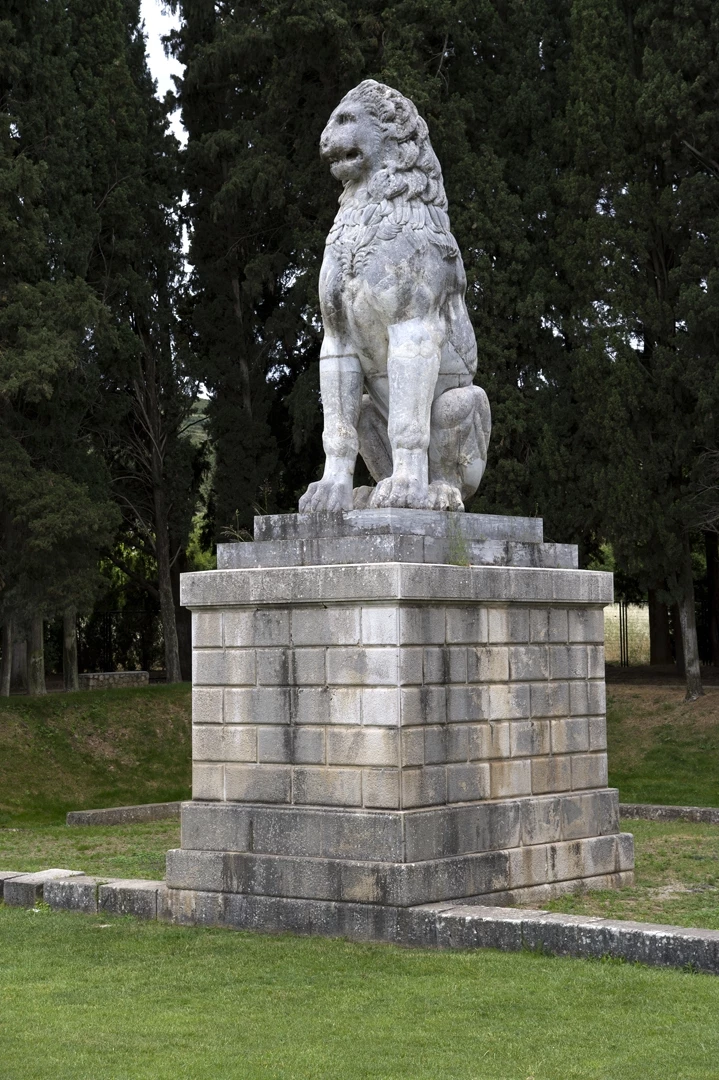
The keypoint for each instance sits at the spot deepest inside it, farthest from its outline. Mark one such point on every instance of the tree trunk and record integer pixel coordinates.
(183, 620)
(688, 624)
(678, 640)
(36, 659)
(660, 645)
(6, 670)
(69, 650)
(711, 544)
(18, 673)
(167, 600)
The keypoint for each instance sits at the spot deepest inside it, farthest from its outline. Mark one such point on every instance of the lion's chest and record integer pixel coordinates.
(367, 284)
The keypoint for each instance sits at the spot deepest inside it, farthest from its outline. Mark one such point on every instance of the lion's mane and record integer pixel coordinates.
(406, 193)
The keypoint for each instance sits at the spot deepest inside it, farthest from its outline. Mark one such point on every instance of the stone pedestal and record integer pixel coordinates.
(394, 708)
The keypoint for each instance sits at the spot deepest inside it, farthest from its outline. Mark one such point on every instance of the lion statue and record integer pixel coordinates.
(399, 355)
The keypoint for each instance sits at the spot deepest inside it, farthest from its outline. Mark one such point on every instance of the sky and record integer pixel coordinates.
(158, 21)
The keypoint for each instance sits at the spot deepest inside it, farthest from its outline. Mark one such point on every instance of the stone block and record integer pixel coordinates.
(422, 625)
(586, 625)
(595, 661)
(424, 787)
(258, 783)
(600, 855)
(466, 625)
(207, 629)
(541, 820)
(597, 733)
(528, 662)
(550, 699)
(311, 705)
(597, 699)
(257, 627)
(130, 897)
(508, 702)
(257, 705)
(207, 705)
(528, 738)
(580, 816)
(345, 705)
(423, 705)
(458, 742)
(435, 745)
(565, 860)
(223, 667)
(625, 851)
(380, 788)
(24, 890)
(570, 735)
(362, 746)
(74, 894)
(467, 703)
(486, 664)
(589, 770)
(551, 774)
(7, 875)
(208, 781)
(527, 866)
(507, 625)
(273, 667)
(309, 746)
(413, 746)
(467, 782)
(442, 665)
(410, 669)
(275, 745)
(327, 787)
(224, 742)
(376, 666)
(578, 699)
(308, 667)
(509, 779)
(568, 662)
(380, 625)
(333, 625)
(380, 707)
(497, 743)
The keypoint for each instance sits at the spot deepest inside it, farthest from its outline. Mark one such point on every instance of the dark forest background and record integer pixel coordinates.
(153, 398)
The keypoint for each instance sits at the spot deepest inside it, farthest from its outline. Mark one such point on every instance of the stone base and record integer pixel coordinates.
(472, 853)
(356, 922)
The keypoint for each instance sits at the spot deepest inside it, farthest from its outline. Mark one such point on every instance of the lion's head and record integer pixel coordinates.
(376, 133)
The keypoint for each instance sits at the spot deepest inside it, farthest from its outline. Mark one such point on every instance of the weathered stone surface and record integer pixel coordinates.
(393, 521)
(124, 815)
(74, 894)
(26, 889)
(7, 875)
(403, 581)
(707, 815)
(394, 548)
(399, 355)
(145, 899)
(104, 680)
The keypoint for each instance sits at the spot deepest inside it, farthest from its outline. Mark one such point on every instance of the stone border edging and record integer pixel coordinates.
(707, 815)
(453, 926)
(125, 815)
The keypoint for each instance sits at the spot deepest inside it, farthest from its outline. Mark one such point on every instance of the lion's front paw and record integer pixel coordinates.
(326, 496)
(444, 496)
(401, 491)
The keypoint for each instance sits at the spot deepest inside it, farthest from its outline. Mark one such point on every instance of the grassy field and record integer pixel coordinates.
(82, 998)
(661, 749)
(90, 749)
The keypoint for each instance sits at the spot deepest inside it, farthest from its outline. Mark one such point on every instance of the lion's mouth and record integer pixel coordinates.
(339, 155)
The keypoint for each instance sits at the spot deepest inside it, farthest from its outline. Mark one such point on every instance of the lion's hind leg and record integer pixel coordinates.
(460, 429)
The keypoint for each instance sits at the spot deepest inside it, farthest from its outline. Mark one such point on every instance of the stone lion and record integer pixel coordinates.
(399, 354)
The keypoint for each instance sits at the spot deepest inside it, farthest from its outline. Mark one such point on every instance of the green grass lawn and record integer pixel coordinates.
(84, 998)
(91, 749)
(661, 748)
